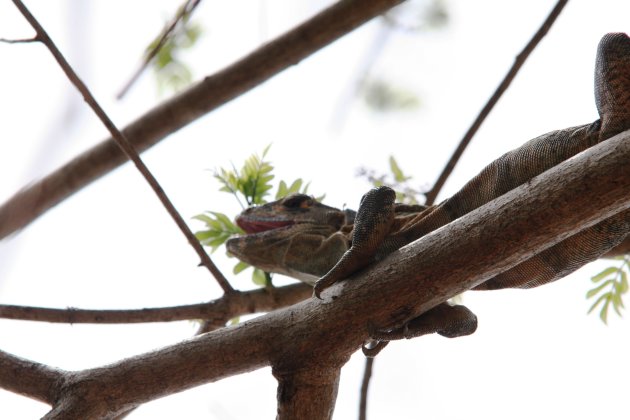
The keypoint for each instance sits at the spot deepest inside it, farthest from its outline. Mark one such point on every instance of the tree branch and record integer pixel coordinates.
(485, 242)
(365, 385)
(29, 378)
(201, 98)
(125, 145)
(218, 311)
(485, 111)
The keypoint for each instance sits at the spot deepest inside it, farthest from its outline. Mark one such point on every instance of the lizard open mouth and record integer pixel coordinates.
(256, 226)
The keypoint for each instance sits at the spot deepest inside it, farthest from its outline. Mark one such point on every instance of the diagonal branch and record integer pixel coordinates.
(218, 311)
(313, 333)
(201, 98)
(485, 111)
(126, 146)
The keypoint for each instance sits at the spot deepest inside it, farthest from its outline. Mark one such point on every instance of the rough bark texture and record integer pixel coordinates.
(308, 393)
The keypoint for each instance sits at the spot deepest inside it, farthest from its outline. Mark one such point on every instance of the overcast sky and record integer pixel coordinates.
(536, 353)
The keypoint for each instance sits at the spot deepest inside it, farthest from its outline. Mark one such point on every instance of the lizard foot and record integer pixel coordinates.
(446, 320)
(371, 226)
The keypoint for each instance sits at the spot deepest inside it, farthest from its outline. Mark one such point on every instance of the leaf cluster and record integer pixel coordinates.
(250, 185)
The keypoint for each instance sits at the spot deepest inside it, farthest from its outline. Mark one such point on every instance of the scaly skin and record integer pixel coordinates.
(381, 226)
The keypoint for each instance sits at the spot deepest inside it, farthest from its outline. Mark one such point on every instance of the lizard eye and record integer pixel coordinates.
(296, 201)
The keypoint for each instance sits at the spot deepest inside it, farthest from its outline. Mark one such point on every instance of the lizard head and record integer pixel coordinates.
(286, 236)
(290, 210)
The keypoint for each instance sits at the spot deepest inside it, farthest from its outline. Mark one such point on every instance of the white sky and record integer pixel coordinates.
(536, 353)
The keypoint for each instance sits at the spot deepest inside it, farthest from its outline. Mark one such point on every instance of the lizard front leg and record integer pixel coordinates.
(447, 320)
(371, 226)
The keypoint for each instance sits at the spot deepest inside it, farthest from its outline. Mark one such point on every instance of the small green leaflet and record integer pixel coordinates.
(219, 228)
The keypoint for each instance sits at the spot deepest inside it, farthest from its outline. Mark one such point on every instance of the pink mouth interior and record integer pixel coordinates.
(255, 226)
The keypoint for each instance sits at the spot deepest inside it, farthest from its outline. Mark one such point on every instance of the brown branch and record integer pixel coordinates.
(313, 333)
(28, 378)
(431, 195)
(298, 389)
(217, 311)
(125, 145)
(19, 41)
(365, 385)
(201, 98)
(184, 12)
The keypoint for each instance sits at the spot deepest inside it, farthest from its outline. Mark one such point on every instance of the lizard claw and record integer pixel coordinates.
(321, 285)
(372, 348)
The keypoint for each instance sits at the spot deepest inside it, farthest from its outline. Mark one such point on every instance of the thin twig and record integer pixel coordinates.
(365, 385)
(125, 145)
(19, 41)
(518, 62)
(217, 311)
(184, 11)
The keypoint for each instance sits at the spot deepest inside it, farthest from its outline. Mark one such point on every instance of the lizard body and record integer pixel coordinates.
(381, 226)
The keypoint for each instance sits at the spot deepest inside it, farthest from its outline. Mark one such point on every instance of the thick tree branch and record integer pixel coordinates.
(201, 98)
(29, 378)
(298, 390)
(217, 311)
(448, 261)
(485, 111)
(125, 145)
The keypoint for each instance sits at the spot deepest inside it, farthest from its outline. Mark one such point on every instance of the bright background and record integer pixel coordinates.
(536, 353)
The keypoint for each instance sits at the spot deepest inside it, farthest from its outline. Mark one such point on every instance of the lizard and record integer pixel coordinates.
(310, 245)
(300, 237)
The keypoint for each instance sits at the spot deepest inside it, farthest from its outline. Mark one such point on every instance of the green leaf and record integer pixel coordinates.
(605, 273)
(219, 229)
(623, 283)
(239, 267)
(396, 171)
(597, 302)
(598, 289)
(282, 190)
(603, 314)
(617, 303)
(259, 277)
(204, 235)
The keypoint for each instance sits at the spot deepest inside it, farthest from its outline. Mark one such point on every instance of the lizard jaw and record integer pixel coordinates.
(257, 226)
